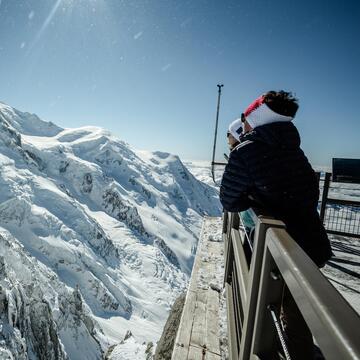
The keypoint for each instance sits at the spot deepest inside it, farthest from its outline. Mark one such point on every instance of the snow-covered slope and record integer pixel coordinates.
(96, 238)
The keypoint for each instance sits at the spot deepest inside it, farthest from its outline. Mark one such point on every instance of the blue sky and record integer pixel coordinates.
(147, 70)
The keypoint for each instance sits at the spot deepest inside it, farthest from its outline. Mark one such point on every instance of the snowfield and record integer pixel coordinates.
(97, 239)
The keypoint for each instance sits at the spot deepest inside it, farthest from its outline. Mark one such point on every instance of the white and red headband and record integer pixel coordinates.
(258, 113)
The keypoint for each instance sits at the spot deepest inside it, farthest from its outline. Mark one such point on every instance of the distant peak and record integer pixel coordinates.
(28, 123)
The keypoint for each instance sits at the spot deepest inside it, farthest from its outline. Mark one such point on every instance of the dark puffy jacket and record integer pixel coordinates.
(269, 170)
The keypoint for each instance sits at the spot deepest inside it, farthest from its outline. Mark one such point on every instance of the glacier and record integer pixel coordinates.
(97, 239)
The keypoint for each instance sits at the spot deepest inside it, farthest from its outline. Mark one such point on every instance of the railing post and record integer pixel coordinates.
(264, 340)
(231, 327)
(254, 279)
(235, 221)
(231, 221)
(330, 318)
(225, 221)
(324, 196)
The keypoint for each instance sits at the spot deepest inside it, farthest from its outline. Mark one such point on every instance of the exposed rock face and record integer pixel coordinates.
(8, 134)
(166, 343)
(117, 207)
(87, 183)
(30, 323)
(167, 251)
(63, 166)
(45, 341)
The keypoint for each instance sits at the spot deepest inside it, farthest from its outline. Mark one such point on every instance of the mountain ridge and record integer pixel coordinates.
(117, 226)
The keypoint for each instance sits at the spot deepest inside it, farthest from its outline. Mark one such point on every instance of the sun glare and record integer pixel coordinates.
(67, 6)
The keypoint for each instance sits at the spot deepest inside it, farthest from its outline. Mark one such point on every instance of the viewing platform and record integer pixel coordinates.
(245, 262)
(244, 322)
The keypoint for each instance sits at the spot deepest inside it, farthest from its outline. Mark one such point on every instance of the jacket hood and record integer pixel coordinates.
(277, 134)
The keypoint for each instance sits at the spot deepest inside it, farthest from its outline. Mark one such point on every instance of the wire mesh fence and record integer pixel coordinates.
(340, 207)
(342, 218)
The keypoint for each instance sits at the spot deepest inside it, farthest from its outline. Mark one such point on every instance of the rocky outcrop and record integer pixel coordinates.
(35, 312)
(102, 244)
(33, 159)
(26, 320)
(12, 139)
(160, 243)
(87, 183)
(114, 205)
(166, 343)
(8, 134)
(45, 339)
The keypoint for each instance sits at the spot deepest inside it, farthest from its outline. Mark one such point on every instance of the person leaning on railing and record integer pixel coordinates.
(268, 170)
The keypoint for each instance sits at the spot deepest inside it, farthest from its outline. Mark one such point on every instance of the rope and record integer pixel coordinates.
(246, 234)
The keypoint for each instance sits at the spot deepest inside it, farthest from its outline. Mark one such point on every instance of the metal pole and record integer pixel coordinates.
(216, 129)
(324, 196)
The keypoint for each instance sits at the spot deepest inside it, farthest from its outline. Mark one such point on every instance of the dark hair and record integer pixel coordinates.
(282, 102)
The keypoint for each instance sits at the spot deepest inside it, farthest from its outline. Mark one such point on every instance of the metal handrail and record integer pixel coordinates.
(251, 291)
(329, 316)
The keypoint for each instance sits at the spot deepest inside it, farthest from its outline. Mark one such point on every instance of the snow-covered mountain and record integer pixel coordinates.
(96, 238)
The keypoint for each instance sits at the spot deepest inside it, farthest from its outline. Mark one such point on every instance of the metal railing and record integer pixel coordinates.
(340, 217)
(254, 284)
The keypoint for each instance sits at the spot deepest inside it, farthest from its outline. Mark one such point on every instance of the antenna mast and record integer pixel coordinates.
(213, 163)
